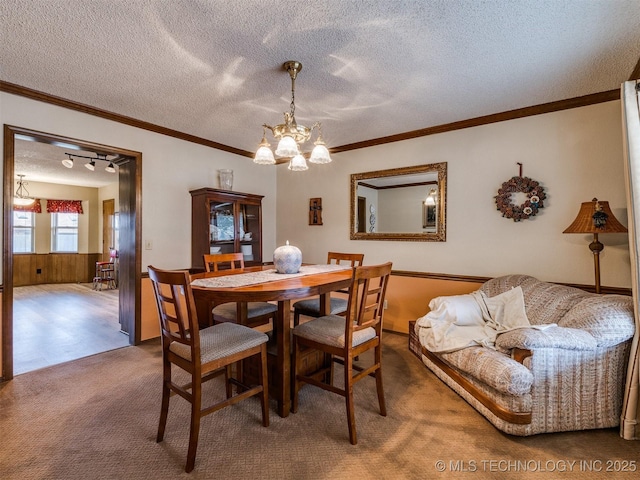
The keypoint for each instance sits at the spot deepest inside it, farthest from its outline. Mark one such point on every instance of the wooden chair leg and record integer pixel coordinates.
(194, 430)
(296, 382)
(380, 390)
(296, 317)
(264, 398)
(227, 375)
(348, 390)
(164, 408)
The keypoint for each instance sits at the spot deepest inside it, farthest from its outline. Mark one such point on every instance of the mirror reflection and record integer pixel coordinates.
(400, 204)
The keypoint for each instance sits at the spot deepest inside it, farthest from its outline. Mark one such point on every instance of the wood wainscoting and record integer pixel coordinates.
(34, 269)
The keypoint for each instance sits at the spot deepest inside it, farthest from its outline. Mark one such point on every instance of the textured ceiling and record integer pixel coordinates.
(213, 69)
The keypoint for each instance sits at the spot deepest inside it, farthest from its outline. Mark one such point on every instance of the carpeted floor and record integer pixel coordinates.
(96, 418)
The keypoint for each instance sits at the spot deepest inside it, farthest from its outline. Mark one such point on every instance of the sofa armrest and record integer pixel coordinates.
(520, 354)
(550, 337)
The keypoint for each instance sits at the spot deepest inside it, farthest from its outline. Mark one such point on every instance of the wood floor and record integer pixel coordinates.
(56, 323)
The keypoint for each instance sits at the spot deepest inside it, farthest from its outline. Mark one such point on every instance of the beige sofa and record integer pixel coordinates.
(565, 377)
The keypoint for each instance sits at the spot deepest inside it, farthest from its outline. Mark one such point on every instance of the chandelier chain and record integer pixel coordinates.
(292, 107)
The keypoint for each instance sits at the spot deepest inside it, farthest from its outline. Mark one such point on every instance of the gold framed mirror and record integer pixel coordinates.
(400, 204)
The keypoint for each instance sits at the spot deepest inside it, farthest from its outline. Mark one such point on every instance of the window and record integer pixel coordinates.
(64, 232)
(23, 232)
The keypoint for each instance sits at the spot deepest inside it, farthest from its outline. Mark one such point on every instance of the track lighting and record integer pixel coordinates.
(91, 165)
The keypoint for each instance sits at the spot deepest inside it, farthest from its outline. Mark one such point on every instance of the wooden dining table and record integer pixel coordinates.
(282, 291)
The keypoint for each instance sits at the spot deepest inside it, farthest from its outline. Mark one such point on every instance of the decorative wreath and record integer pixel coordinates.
(535, 198)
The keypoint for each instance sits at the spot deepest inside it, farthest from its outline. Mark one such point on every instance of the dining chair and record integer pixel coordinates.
(258, 313)
(344, 338)
(311, 306)
(203, 354)
(107, 272)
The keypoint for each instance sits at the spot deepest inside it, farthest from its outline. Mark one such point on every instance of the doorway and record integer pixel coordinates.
(129, 226)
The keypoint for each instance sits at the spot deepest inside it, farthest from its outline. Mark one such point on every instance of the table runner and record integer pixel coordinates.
(263, 276)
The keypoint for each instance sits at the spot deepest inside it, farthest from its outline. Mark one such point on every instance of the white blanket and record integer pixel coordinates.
(460, 321)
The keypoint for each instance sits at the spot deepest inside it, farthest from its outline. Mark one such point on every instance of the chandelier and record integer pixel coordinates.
(22, 197)
(291, 135)
(91, 165)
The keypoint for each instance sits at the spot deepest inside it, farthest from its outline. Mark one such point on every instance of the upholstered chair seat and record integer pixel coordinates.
(311, 306)
(330, 330)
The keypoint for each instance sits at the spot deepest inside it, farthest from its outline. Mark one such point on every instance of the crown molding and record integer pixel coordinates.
(550, 107)
(133, 122)
(448, 127)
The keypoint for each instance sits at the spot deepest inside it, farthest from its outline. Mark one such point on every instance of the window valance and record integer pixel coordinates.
(64, 206)
(35, 207)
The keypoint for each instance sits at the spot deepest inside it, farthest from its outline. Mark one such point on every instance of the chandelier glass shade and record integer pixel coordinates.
(22, 197)
(431, 197)
(291, 135)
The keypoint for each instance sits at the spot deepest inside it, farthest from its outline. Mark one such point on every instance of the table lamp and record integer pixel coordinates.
(596, 217)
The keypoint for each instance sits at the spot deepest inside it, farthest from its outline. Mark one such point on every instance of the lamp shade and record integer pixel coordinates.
(23, 201)
(264, 156)
(595, 217)
(298, 164)
(320, 153)
(287, 147)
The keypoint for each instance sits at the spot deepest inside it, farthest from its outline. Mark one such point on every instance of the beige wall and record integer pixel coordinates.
(576, 155)
(170, 168)
(88, 233)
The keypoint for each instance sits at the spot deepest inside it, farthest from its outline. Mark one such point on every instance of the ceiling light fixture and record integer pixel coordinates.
(68, 162)
(91, 165)
(291, 135)
(22, 194)
(431, 197)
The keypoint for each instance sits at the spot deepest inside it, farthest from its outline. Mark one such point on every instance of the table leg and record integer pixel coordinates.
(325, 304)
(204, 309)
(283, 361)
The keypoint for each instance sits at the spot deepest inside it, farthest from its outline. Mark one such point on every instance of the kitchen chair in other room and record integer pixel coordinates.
(203, 354)
(258, 313)
(344, 338)
(311, 306)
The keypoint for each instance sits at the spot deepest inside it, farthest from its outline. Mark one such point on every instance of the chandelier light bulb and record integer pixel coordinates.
(91, 165)
(110, 168)
(68, 162)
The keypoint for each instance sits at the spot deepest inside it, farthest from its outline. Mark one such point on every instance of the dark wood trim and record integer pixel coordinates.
(519, 418)
(487, 119)
(7, 255)
(550, 107)
(440, 276)
(468, 278)
(130, 184)
(133, 122)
